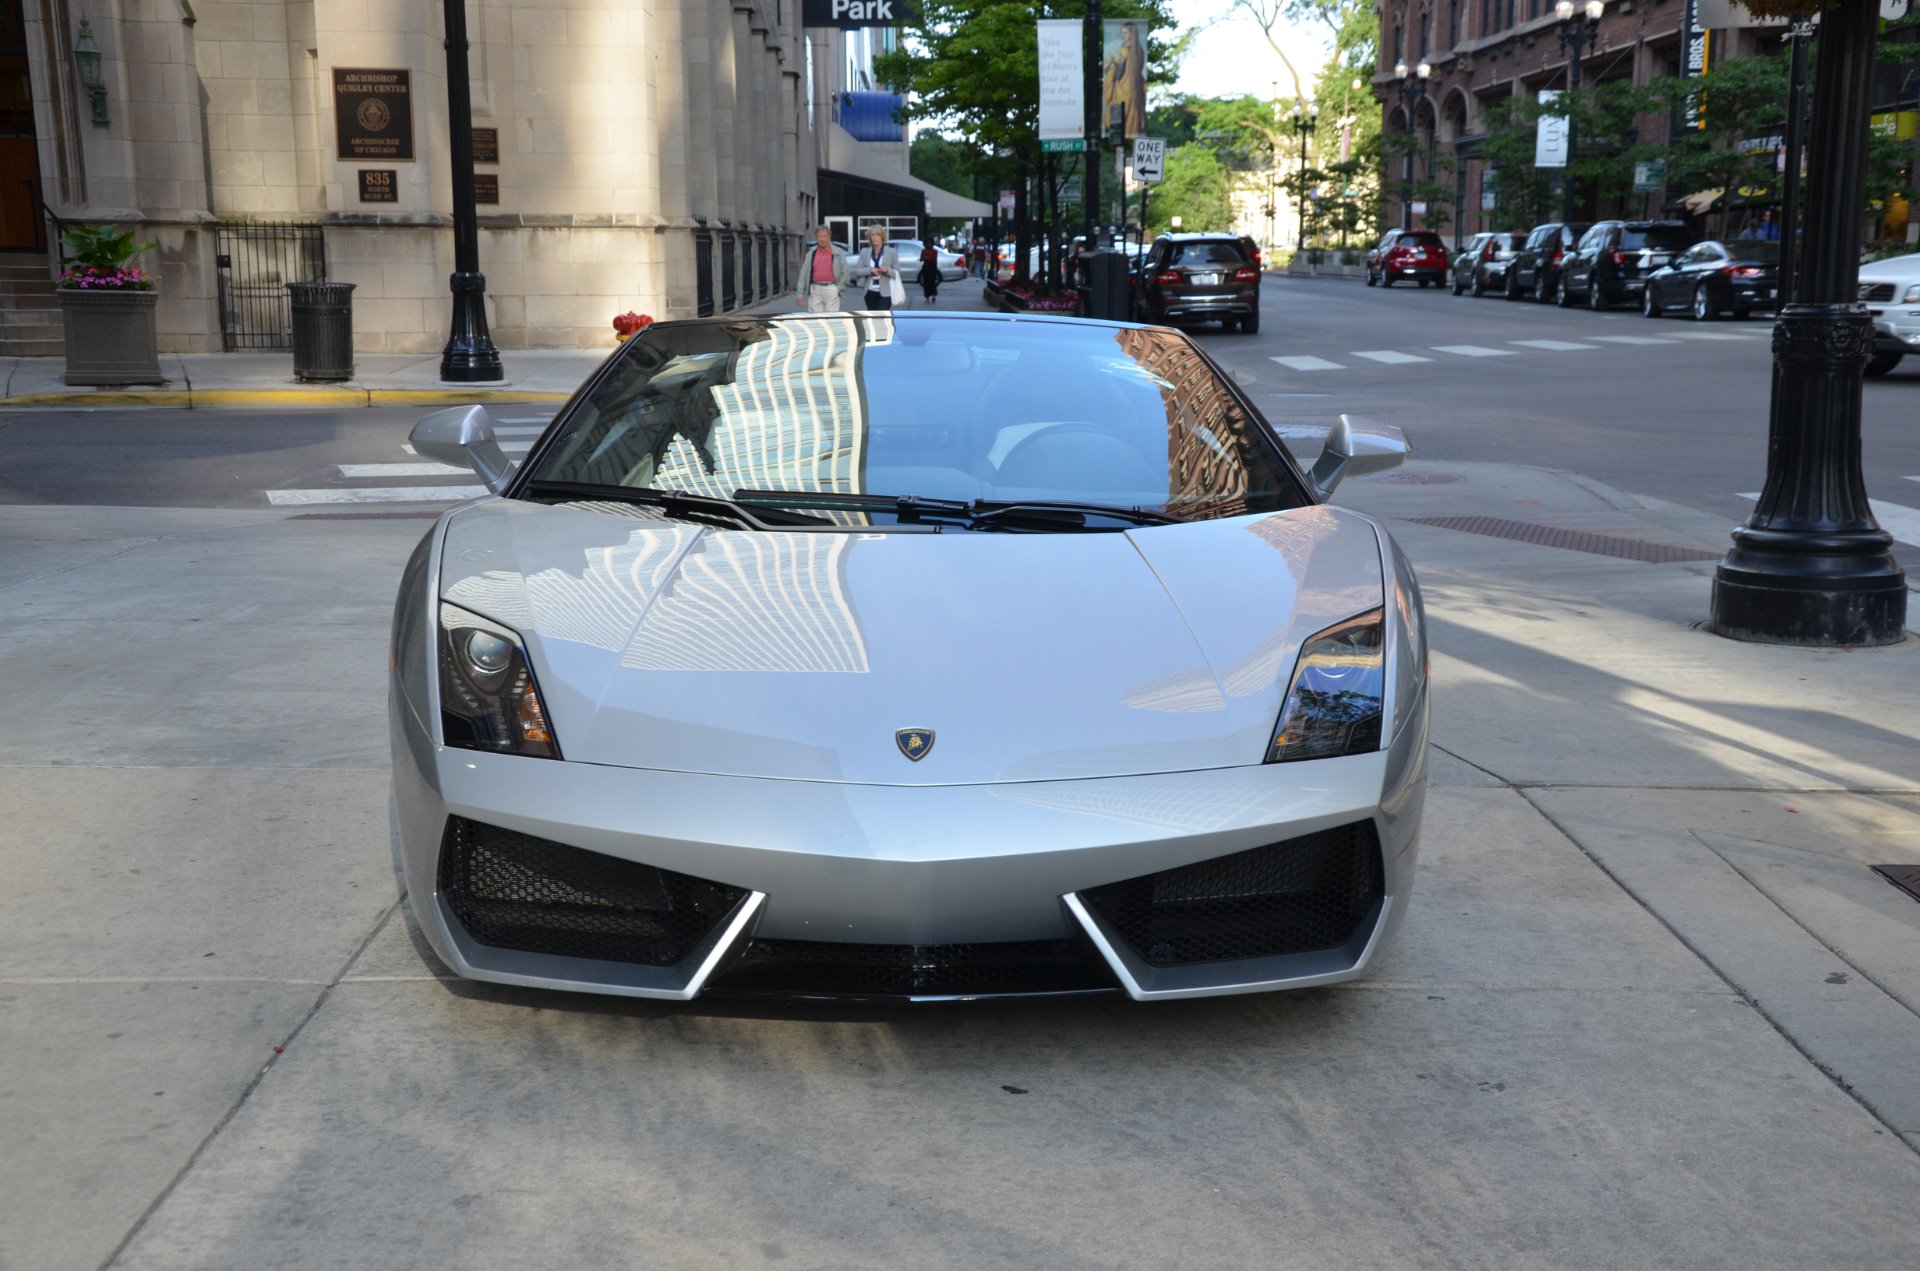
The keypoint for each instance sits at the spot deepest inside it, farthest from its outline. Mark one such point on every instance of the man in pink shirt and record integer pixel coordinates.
(823, 272)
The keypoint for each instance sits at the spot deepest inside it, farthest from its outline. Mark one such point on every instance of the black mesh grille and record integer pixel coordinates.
(514, 891)
(906, 970)
(1294, 896)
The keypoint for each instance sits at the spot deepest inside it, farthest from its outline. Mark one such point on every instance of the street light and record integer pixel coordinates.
(470, 356)
(1304, 124)
(1579, 27)
(1812, 566)
(86, 60)
(1413, 86)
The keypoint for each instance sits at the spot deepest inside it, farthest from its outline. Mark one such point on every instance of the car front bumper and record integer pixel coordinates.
(1896, 330)
(825, 866)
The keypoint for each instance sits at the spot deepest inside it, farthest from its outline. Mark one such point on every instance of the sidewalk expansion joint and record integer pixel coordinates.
(1691, 947)
(246, 1093)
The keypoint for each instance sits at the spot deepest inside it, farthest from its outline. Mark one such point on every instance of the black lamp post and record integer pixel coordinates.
(1304, 124)
(1413, 86)
(1579, 26)
(469, 357)
(1812, 566)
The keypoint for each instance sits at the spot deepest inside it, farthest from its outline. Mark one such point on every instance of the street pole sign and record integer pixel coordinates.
(1550, 136)
(1149, 158)
(1650, 177)
(1063, 127)
(1063, 145)
(850, 15)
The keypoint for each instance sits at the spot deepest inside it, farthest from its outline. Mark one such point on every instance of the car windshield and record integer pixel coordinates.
(1208, 254)
(1661, 238)
(936, 408)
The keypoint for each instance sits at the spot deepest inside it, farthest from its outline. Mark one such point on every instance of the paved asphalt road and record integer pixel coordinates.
(1670, 409)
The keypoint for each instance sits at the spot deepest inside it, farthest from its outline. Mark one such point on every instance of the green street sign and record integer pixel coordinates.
(1650, 177)
(1062, 145)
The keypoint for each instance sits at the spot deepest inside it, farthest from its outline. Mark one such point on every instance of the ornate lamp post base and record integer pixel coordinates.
(470, 357)
(1812, 567)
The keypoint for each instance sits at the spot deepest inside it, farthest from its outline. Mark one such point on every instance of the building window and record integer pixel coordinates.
(1397, 54)
(1453, 23)
(1424, 45)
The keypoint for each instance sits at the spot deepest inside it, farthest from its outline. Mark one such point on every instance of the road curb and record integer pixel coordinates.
(214, 398)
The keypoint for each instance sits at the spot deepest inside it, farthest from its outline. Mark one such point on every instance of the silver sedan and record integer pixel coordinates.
(908, 656)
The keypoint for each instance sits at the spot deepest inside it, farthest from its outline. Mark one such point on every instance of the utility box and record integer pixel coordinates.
(322, 330)
(1103, 288)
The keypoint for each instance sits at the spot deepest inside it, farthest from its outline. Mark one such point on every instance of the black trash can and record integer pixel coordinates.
(1106, 294)
(322, 330)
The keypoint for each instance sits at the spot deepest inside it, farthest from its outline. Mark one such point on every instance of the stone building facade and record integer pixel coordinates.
(655, 155)
(1482, 52)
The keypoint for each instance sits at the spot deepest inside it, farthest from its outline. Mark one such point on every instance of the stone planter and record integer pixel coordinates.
(111, 338)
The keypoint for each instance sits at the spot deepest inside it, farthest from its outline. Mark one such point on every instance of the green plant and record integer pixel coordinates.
(99, 260)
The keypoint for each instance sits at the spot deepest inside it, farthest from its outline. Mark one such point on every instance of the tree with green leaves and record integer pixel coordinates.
(1196, 187)
(972, 68)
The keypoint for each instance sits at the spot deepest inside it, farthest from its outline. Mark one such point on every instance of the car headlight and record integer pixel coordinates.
(488, 700)
(1333, 705)
(1913, 295)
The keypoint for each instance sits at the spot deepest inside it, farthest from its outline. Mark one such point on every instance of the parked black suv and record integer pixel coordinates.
(1613, 260)
(1481, 266)
(1193, 277)
(1535, 269)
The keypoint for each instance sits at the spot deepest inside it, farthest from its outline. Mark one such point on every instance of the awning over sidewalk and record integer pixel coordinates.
(850, 160)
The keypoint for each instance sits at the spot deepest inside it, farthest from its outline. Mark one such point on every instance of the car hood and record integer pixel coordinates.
(800, 655)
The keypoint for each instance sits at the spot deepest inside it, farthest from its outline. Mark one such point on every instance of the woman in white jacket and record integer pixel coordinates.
(877, 269)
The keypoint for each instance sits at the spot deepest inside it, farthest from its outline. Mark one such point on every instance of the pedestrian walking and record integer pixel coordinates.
(930, 273)
(878, 269)
(823, 273)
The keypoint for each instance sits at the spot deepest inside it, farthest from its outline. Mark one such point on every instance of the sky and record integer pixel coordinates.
(1231, 57)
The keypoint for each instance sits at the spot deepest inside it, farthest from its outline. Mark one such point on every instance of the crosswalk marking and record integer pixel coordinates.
(542, 420)
(512, 449)
(1473, 350)
(402, 470)
(1553, 346)
(1901, 522)
(1634, 339)
(518, 432)
(1715, 335)
(1389, 356)
(376, 494)
(1308, 364)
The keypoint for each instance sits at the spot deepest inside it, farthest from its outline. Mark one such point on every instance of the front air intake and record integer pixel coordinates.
(515, 891)
(1299, 895)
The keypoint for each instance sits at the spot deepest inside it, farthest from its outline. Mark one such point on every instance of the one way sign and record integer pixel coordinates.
(1149, 158)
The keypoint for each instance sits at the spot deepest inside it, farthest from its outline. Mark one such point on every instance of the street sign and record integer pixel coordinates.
(849, 14)
(1650, 177)
(1149, 158)
(1063, 145)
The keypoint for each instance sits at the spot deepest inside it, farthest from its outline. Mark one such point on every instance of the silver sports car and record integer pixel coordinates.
(908, 656)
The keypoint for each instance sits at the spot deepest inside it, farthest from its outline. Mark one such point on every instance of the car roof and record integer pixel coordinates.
(1189, 237)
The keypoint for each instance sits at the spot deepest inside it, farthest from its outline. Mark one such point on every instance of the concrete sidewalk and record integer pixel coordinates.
(1650, 1006)
(203, 380)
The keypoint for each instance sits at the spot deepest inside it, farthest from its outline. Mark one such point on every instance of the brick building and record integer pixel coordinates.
(1482, 52)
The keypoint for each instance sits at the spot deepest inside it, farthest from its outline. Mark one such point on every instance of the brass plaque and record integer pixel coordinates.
(486, 187)
(373, 114)
(379, 185)
(486, 145)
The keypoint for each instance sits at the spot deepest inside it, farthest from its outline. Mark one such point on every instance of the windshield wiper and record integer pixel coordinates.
(1061, 513)
(680, 505)
(905, 507)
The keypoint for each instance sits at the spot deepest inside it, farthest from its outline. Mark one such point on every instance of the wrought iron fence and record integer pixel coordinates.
(703, 272)
(256, 261)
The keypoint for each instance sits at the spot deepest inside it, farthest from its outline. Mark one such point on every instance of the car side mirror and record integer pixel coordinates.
(463, 436)
(1356, 447)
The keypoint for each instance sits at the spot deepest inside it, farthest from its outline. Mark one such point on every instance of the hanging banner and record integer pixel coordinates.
(1123, 77)
(1695, 55)
(1550, 135)
(1063, 81)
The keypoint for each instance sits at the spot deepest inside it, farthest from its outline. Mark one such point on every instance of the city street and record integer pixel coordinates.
(1650, 1006)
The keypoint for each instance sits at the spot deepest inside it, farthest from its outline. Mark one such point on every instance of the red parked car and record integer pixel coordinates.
(1408, 253)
